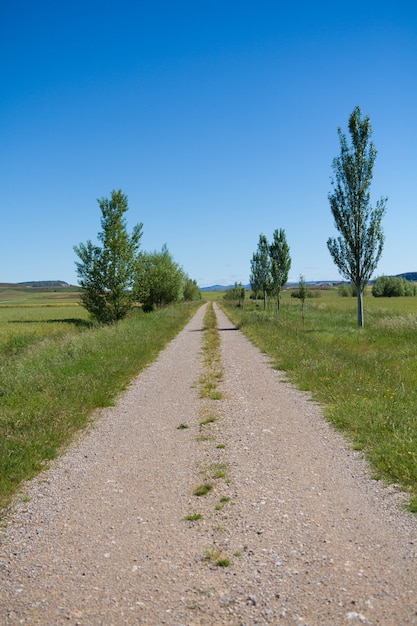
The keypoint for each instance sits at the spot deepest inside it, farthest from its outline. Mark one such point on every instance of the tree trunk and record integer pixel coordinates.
(278, 303)
(359, 292)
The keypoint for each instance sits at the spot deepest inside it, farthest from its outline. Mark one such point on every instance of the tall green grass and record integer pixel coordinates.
(50, 386)
(365, 379)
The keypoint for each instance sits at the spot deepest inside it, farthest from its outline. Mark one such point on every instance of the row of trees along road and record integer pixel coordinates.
(115, 274)
(270, 266)
(357, 250)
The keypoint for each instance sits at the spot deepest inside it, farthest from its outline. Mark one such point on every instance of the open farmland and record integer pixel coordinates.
(28, 316)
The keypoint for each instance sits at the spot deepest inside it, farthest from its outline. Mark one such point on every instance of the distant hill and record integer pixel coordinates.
(408, 276)
(45, 283)
(412, 276)
(313, 283)
(220, 288)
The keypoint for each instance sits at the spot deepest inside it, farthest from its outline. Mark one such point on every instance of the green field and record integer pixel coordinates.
(366, 379)
(56, 367)
(30, 315)
(212, 295)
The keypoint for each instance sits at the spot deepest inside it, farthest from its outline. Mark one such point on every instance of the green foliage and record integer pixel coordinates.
(365, 381)
(302, 289)
(106, 272)
(237, 294)
(358, 248)
(302, 294)
(279, 254)
(191, 290)
(310, 293)
(393, 286)
(159, 280)
(346, 291)
(260, 278)
(270, 266)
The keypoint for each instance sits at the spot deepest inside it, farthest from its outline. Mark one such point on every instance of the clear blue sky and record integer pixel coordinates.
(217, 118)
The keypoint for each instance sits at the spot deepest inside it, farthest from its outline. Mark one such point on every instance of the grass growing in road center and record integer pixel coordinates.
(213, 373)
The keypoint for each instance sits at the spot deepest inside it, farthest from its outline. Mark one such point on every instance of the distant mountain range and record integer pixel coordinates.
(45, 283)
(412, 276)
(316, 283)
(408, 276)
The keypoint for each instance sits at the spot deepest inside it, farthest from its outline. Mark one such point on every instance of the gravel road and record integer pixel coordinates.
(294, 531)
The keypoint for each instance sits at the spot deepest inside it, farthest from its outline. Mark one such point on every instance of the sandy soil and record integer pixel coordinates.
(294, 531)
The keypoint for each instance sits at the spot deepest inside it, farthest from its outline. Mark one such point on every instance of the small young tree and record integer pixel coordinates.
(357, 250)
(279, 253)
(106, 272)
(242, 294)
(237, 294)
(302, 294)
(255, 276)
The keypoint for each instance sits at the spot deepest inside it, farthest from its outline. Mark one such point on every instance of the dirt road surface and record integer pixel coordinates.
(293, 531)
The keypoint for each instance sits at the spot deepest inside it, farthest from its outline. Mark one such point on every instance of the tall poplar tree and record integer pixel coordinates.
(279, 252)
(260, 278)
(255, 277)
(107, 272)
(357, 250)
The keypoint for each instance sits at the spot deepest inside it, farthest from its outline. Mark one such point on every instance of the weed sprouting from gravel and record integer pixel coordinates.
(223, 562)
(203, 490)
(208, 420)
(216, 556)
(195, 517)
(219, 470)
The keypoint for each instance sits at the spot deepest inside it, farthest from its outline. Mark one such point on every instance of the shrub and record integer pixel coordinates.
(347, 290)
(393, 286)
